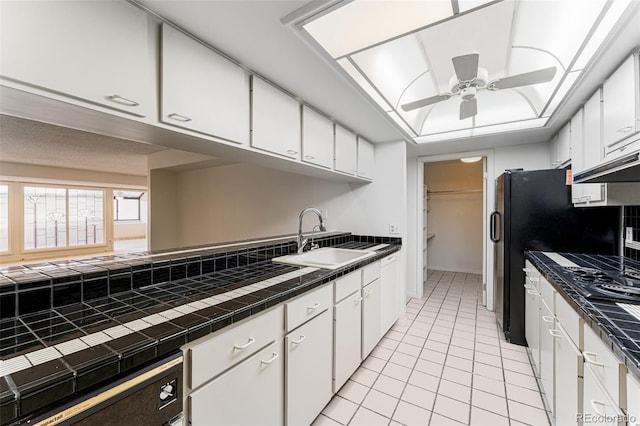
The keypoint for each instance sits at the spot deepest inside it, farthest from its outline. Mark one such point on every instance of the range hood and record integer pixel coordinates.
(622, 169)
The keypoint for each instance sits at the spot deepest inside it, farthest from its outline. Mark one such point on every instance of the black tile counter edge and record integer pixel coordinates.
(584, 308)
(11, 400)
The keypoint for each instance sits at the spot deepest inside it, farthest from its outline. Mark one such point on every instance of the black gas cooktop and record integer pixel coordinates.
(603, 283)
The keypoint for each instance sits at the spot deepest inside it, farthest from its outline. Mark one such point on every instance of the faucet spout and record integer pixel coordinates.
(302, 242)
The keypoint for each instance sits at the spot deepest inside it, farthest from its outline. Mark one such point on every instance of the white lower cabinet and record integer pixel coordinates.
(370, 317)
(568, 375)
(308, 369)
(598, 406)
(532, 314)
(347, 336)
(283, 366)
(633, 400)
(388, 293)
(547, 354)
(250, 393)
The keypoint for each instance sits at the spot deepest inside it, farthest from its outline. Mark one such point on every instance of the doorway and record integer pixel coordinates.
(446, 239)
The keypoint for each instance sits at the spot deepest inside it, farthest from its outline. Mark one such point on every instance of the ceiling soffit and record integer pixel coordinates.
(509, 37)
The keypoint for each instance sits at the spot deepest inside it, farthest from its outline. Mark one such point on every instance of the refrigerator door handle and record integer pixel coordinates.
(494, 227)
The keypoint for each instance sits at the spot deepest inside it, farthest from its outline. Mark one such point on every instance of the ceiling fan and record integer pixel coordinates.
(470, 78)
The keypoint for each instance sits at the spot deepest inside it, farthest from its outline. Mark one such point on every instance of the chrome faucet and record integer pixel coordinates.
(302, 242)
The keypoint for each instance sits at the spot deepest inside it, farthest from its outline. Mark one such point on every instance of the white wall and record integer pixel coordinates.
(529, 157)
(241, 201)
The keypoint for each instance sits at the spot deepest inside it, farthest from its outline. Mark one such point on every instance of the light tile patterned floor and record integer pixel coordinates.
(444, 363)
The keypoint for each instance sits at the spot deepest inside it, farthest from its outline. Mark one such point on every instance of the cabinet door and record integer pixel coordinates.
(308, 372)
(370, 317)
(366, 159)
(633, 400)
(547, 367)
(97, 51)
(532, 315)
(251, 393)
(620, 102)
(604, 363)
(347, 338)
(345, 151)
(201, 90)
(388, 294)
(317, 138)
(567, 362)
(564, 145)
(593, 152)
(597, 404)
(275, 120)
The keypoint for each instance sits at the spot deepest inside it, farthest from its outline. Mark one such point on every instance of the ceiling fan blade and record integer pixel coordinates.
(468, 108)
(466, 66)
(424, 102)
(534, 77)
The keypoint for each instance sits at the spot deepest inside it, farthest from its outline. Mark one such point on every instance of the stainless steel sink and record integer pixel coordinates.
(326, 258)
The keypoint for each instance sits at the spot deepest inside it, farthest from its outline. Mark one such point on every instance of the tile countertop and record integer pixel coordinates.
(618, 329)
(54, 354)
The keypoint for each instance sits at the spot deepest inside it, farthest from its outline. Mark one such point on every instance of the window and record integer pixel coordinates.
(60, 217)
(4, 218)
(126, 205)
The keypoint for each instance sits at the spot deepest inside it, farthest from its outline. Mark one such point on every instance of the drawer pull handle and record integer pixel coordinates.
(309, 157)
(123, 101)
(625, 129)
(367, 292)
(535, 293)
(546, 318)
(590, 358)
(528, 286)
(300, 340)
(292, 151)
(179, 117)
(595, 405)
(313, 307)
(250, 342)
(534, 279)
(526, 270)
(555, 333)
(274, 356)
(357, 301)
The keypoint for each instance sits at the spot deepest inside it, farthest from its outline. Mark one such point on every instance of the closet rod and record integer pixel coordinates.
(456, 191)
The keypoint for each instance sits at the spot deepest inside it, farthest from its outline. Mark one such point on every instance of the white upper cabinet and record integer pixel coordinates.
(346, 151)
(317, 138)
(561, 147)
(275, 120)
(366, 159)
(621, 105)
(586, 149)
(96, 51)
(201, 90)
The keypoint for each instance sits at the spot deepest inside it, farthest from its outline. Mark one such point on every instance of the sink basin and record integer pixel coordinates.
(326, 258)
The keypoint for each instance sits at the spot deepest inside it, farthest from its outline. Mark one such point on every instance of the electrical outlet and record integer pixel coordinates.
(393, 229)
(325, 213)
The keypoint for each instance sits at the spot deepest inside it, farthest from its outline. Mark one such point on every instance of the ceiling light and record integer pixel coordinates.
(471, 159)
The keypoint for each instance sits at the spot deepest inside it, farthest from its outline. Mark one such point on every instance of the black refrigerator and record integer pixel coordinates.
(534, 211)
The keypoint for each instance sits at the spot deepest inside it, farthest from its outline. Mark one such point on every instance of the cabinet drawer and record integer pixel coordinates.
(227, 349)
(370, 273)
(603, 363)
(251, 393)
(306, 307)
(347, 285)
(569, 319)
(597, 402)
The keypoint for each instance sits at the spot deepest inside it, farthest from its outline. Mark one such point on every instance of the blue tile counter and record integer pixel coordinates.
(71, 326)
(618, 329)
